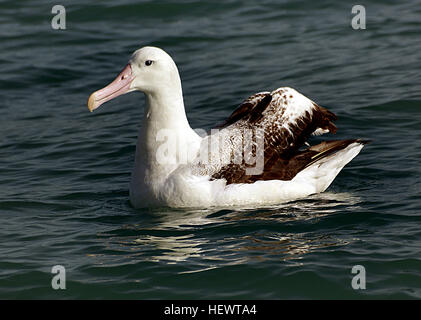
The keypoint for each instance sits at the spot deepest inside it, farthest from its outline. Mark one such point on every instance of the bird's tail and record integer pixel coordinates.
(326, 160)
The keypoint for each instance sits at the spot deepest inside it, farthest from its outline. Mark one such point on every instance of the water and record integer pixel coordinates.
(65, 172)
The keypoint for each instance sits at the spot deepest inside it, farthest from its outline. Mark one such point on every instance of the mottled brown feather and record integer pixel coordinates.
(283, 158)
(284, 168)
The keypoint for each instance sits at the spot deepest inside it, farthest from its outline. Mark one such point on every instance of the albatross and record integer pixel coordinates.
(258, 156)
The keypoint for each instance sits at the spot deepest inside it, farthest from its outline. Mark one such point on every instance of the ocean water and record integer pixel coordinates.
(64, 172)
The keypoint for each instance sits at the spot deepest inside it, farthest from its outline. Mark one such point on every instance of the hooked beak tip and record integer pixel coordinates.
(91, 102)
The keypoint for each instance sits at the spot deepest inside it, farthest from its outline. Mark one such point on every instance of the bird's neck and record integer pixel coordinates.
(165, 110)
(166, 139)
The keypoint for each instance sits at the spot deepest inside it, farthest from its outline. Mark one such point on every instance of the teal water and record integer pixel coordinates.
(64, 172)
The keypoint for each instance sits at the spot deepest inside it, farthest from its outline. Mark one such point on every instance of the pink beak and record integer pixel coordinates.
(119, 86)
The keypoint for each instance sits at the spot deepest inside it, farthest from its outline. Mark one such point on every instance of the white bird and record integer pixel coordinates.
(256, 157)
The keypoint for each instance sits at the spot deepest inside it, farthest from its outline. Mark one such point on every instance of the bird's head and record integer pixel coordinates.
(149, 70)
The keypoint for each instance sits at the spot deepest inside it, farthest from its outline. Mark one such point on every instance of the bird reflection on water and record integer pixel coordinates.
(286, 233)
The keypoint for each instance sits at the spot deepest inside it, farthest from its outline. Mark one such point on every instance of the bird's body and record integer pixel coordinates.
(256, 157)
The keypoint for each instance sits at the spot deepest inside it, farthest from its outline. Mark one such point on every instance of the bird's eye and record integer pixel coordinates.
(148, 62)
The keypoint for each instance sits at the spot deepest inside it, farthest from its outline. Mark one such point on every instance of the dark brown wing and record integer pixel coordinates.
(284, 168)
(287, 119)
(252, 107)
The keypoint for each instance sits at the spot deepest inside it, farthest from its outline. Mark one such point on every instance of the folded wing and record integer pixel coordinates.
(284, 119)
